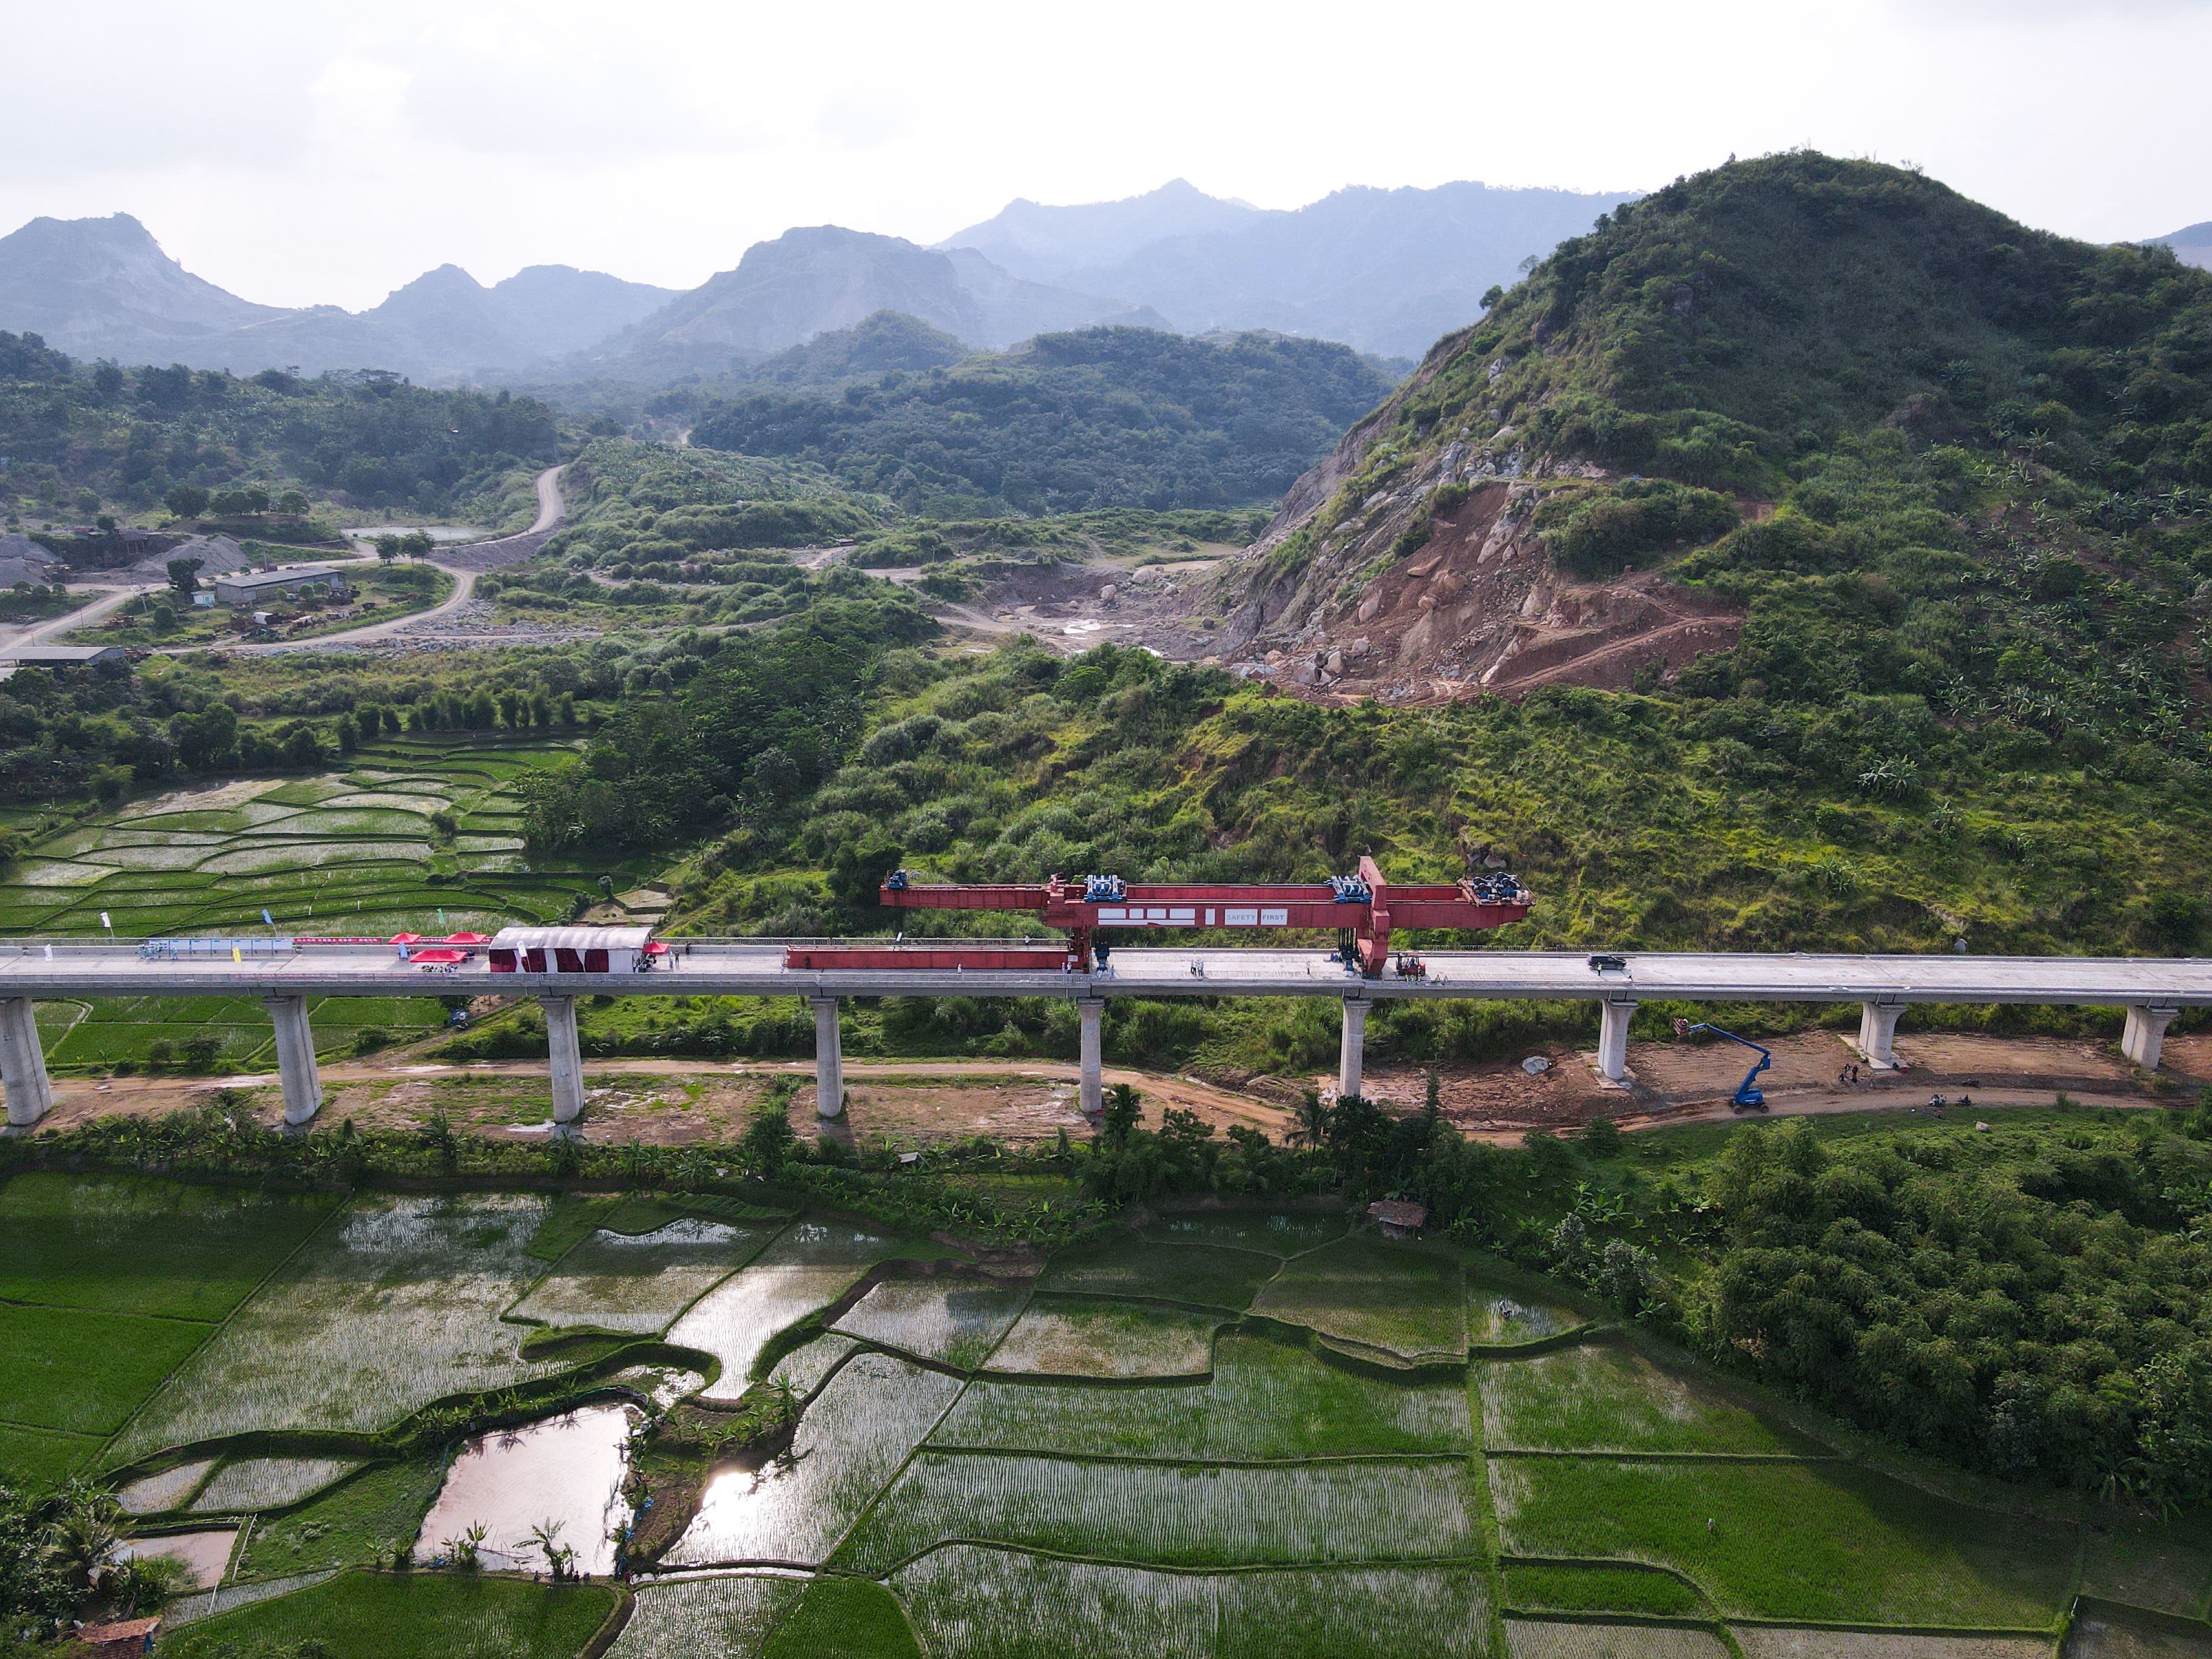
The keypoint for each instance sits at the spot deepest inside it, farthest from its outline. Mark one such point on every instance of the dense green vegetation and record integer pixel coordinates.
(1986, 449)
(635, 509)
(1100, 417)
(77, 437)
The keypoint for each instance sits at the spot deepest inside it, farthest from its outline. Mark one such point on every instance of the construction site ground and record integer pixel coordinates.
(922, 1102)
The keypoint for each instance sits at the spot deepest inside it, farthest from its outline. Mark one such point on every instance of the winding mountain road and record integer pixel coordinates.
(412, 625)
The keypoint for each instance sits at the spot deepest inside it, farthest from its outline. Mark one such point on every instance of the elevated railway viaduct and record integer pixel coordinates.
(283, 974)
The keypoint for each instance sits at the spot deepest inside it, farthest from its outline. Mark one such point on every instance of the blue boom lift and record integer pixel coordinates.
(1747, 1097)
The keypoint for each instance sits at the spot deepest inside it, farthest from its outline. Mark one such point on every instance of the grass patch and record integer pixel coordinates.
(137, 1245)
(1189, 1517)
(1277, 1233)
(1196, 1275)
(1080, 1336)
(571, 1220)
(1404, 1301)
(41, 1457)
(1600, 1589)
(1606, 1396)
(374, 1615)
(1265, 1400)
(844, 1619)
(69, 1368)
(358, 1521)
(1793, 1541)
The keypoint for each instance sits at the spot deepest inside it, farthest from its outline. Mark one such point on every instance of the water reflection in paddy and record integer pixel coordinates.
(567, 1469)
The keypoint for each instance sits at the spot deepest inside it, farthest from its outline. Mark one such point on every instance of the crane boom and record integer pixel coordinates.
(1748, 1096)
(1364, 904)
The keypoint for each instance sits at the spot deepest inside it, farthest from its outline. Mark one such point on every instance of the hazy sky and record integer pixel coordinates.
(303, 152)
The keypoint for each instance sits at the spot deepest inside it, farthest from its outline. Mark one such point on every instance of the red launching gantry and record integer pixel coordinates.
(1365, 904)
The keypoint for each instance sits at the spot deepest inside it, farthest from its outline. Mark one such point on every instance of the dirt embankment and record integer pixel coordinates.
(1478, 608)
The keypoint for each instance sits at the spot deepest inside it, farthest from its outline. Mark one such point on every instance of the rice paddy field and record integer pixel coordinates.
(1243, 1434)
(420, 833)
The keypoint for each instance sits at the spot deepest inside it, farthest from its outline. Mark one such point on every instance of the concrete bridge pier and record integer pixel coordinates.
(1352, 1049)
(1090, 1068)
(829, 1060)
(1612, 1041)
(566, 1056)
(296, 1058)
(22, 1064)
(2144, 1036)
(1878, 1034)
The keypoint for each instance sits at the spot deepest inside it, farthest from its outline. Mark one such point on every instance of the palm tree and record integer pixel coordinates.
(87, 1532)
(1312, 1127)
(546, 1535)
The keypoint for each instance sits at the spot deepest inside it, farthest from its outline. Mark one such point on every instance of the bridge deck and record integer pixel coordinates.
(755, 967)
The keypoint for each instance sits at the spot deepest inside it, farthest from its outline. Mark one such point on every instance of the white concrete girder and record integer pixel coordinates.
(23, 1064)
(2143, 1038)
(296, 1058)
(1612, 1040)
(1878, 1035)
(1352, 1049)
(1091, 1057)
(565, 1057)
(829, 1058)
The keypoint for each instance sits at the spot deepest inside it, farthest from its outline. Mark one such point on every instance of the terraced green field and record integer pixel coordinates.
(354, 850)
(1122, 1461)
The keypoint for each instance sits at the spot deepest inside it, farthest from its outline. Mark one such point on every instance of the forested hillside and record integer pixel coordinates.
(1097, 419)
(126, 437)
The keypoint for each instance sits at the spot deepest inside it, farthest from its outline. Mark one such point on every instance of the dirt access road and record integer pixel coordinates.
(101, 601)
(422, 624)
(920, 1102)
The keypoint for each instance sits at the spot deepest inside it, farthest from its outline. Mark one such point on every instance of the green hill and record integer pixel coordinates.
(125, 438)
(1100, 417)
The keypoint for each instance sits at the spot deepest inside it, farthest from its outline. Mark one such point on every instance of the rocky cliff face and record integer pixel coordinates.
(1433, 584)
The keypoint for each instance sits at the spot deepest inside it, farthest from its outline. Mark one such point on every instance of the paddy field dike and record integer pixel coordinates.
(365, 1417)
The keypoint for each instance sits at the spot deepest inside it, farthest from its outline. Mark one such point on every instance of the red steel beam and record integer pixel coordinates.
(1061, 904)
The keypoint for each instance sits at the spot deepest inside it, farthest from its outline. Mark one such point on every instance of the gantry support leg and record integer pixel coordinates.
(296, 1058)
(829, 1060)
(2144, 1037)
(1352, 1049)
(1612, 1040)
(22, 1064)
(565, 1055)
(1878, 1035)
(1091, 1058)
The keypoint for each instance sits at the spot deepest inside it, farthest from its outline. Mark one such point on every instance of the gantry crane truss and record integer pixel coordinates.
(1364, 905)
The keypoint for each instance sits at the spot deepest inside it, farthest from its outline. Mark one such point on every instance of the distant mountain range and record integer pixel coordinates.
(103, 288)
(1383, 270)
(2193, 244)
(810, 281)
(1387, 271)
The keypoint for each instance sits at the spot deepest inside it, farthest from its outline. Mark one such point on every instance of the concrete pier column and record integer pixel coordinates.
(296, 1058)
(1091, 1056)
(1878, 1034)
(1612, 1040)
(22, 1064)
(566, 1056)
(1351, 1049)
(829, 1060)
(2145, 1035)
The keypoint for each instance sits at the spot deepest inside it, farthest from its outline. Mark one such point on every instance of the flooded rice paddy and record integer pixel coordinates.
(562, 1475)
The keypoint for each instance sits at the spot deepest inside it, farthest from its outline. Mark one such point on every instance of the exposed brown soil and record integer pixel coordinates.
(920, 1103)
